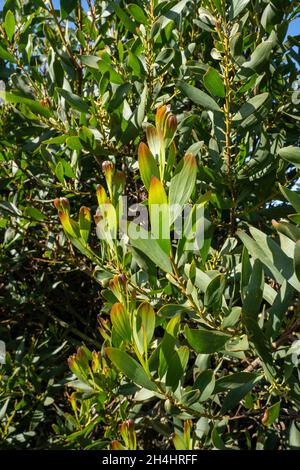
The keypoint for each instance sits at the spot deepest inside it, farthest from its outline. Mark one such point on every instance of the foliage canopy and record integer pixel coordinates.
(168, 103)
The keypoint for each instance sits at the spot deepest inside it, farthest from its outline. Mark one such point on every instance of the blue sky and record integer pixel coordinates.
(293, 31)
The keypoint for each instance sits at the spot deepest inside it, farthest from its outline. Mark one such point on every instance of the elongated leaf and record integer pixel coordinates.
(121, 321)
(206, 341)
(141, 239)
(126, 20)
(205, 383)
(5, 55)
(67, 6)
(34, 106)
(271, 414)
(9, 24)
(292, 197)
(182, 185)
(214, 292)
(159, 214)
(251, 106)
(130, 367)
(176, 364)
(147, 165)
(172, 13)
(233, 381)
(254, 292)
(237, 7)
(251, 309)
(214, 83)
(271, 255)
(144, 325)
(85, 221)
(291, 154)
(137, 13)
(237, 394)
(259, 57)
(74, 101)
(198, 96)
(297, 259)
(167, 345)
(91, 61)
(279, 309)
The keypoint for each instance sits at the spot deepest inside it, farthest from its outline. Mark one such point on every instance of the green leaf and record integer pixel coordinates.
(292, 197)
(206, 341)
(114, 76)
(233, 398)
(141, 239)
(34, 106)
(159, 214)
(294, 436)
(297, 259)
(147, 164)
(237, 7)
(135, 63)
(127, 22)
(290, 154)
(198, 96)
(84, 223)
(91, 61)
(205, 383)
(5, 55)
(214, 292)
(251, 309)
(176, 364)
(74, 143)
(130, 367)
(214, 83)
(278, 310)
(271, 414)
(233, 381)
(121, 321)
(271, 255)
(166, 347)
(137, 13)
(67, 6)
(182, 185)
(172, 14)
(34, 213)
(250, 107)
(59, 171)
(144, 325)
(74, 101)
(10, 24)
(217, 440)
(259, 57)
(254, 291)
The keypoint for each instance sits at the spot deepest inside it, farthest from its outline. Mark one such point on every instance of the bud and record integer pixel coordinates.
(116, 445)
(62, 205)
(128, 434)
(102, 197)
(85, 222)
(161, 115)
(108, 169)
(170, 129)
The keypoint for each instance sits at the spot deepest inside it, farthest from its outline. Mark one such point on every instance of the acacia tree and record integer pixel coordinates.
(198, 344)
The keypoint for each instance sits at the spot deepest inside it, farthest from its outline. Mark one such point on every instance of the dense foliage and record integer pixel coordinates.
(172, 341)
